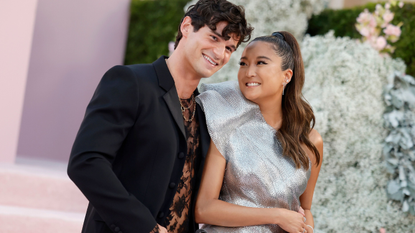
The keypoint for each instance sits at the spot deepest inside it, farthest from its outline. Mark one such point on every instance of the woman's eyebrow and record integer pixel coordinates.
(264, 57)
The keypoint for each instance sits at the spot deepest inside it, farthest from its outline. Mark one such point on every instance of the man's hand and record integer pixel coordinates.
(162, 229)
(159, 229)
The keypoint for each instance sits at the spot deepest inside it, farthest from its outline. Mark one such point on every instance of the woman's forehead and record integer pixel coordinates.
(258, 48)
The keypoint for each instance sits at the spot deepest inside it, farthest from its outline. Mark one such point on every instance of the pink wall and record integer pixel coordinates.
(16, 31)
(74, 43)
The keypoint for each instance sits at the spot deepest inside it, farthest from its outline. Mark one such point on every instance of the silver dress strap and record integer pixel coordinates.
(257, 173)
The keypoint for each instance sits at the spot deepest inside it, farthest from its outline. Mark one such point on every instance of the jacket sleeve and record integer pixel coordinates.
(109, 117)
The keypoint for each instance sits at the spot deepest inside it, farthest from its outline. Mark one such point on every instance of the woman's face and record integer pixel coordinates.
(260, 76)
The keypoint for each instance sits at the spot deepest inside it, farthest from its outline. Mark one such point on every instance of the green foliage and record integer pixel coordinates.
(152, 25)
(399, 148)
(343, 23)
(405, 46)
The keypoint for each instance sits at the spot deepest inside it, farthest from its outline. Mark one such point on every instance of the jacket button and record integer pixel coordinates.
(161, 214)
(181, 155)
(172, 185)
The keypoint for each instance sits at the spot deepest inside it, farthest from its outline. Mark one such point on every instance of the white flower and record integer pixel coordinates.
(392, 30)
(388, 16)
(364, 17)
(365, 32)
(380, 43)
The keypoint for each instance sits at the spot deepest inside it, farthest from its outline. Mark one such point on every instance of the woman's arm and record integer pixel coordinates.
(211, 210)
(307, 197)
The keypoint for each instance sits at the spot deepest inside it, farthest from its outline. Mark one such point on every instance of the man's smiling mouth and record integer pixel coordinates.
(210, 60)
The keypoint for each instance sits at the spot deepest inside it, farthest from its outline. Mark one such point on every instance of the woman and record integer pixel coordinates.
(265, 156)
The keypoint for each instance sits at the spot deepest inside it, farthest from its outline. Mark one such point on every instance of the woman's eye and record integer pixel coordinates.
(214, 38)
(261, 63)
(242, 63)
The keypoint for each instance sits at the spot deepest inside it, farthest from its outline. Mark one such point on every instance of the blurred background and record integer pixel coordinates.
(53, 54)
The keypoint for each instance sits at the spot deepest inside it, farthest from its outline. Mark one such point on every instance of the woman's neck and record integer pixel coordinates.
(272, 112)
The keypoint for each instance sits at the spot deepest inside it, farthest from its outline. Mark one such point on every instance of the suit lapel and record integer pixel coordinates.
(172, 101)
(171, 98)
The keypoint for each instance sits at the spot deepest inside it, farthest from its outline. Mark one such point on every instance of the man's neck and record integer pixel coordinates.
(185, 81)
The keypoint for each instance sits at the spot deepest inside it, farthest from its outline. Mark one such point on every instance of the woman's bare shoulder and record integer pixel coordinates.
(316, 138)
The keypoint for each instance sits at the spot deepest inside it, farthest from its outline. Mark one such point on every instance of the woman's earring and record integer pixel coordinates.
(285, 84)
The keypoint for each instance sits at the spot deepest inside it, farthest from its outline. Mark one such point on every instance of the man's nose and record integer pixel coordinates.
(219, 51)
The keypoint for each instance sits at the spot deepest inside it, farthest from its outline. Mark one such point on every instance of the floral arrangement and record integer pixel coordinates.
(344, 82)
(286, 15)
(399, 148)
(376, 27)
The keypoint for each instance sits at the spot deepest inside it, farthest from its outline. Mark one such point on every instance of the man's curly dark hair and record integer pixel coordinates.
(211, 12)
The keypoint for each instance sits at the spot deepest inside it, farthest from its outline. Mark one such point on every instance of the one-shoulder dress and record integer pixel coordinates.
(257, 173)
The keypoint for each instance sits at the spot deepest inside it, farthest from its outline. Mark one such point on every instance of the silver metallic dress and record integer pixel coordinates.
(257, 174)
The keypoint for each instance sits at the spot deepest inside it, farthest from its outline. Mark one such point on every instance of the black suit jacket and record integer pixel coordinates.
(128, 155)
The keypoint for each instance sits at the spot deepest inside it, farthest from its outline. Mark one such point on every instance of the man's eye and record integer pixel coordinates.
(229, 49)
(214, 38)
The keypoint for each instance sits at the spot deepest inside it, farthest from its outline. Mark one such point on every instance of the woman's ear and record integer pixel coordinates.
(288, 74)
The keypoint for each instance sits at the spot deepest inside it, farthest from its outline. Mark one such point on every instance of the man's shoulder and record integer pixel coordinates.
(141, 72)
(139, 69)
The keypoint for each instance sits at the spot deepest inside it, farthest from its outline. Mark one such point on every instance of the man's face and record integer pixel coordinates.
(206, 51)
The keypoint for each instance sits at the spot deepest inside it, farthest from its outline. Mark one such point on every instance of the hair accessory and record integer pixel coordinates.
(278, 35)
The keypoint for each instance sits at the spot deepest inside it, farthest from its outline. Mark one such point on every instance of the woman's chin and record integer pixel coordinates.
(251, 98)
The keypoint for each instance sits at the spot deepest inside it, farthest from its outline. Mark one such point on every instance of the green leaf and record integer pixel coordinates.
(393, 187)
(405, 206)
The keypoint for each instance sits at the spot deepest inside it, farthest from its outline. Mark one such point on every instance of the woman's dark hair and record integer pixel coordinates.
(211, 12)
(297, 115)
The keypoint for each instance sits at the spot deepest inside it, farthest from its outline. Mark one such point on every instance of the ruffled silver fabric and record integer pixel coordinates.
(257, 174)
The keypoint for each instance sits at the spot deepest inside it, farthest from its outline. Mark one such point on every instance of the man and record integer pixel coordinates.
(140, 150)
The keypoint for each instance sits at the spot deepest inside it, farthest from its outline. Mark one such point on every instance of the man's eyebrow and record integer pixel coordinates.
(219, 35)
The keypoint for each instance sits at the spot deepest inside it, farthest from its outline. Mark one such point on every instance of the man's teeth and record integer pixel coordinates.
(252, 84)
(210, 60)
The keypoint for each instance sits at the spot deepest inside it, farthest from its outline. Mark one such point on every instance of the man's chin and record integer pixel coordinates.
(207, 75)
(210, 73)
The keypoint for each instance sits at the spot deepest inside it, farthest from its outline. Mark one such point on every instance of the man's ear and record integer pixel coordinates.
(186, 26)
